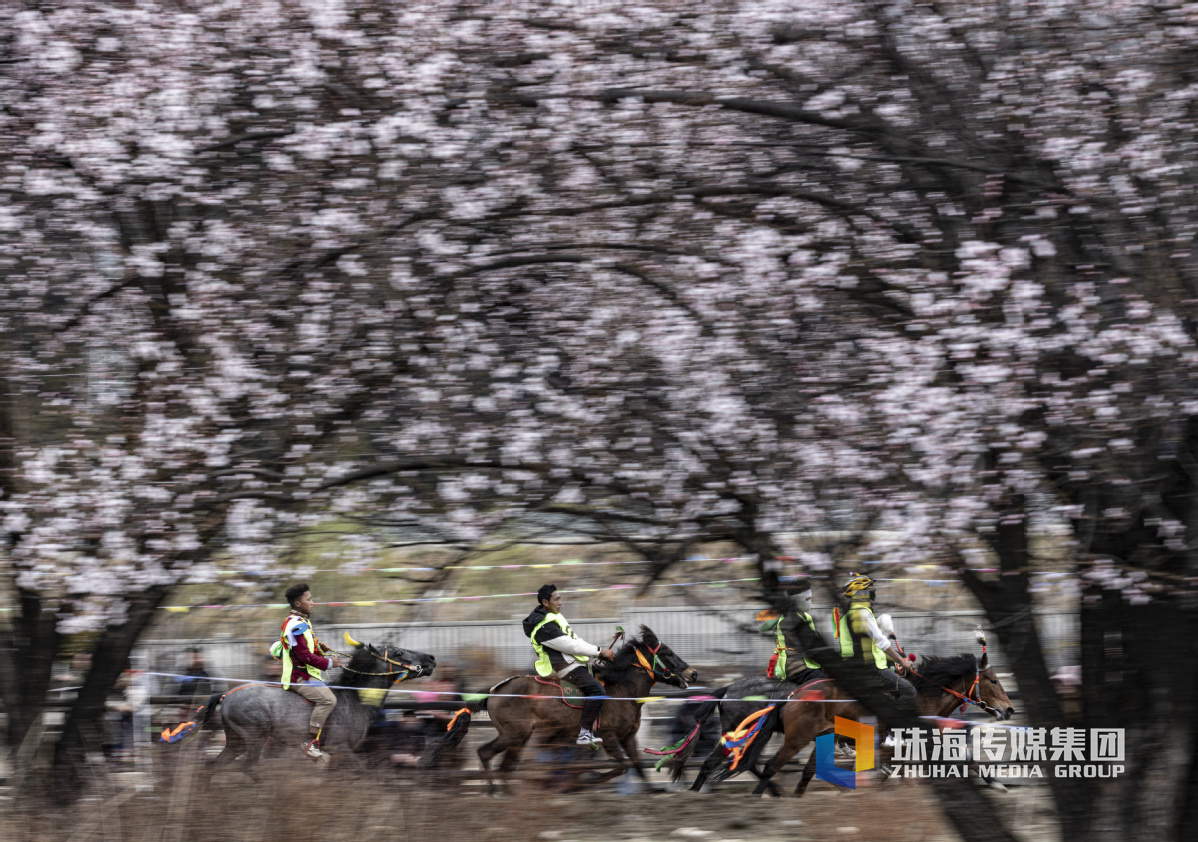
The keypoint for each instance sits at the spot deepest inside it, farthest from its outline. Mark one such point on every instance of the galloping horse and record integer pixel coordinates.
(253, 712)
(525, 705)
(941, 685)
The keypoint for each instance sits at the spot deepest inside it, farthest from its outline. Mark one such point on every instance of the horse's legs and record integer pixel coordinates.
(769, 785)
(797, 736)
(511, 742)
(631, 749)
(612, 746)
(712, 763)
(808, 774)
(234, 746)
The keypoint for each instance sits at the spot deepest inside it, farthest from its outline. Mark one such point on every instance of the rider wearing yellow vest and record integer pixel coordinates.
(860, 637)
(795, 636)
(303, 659)
(562, 654)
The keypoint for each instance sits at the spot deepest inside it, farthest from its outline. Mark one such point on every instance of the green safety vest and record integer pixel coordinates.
(852, 628)
(780, 647)
(544, 668)
(285, 654)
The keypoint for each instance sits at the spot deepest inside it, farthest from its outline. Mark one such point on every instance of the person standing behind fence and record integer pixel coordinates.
(194, 681)
(303, 660)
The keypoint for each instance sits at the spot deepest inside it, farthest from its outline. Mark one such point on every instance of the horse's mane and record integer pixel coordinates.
(942, 670)
(363, 662)
(622, 659)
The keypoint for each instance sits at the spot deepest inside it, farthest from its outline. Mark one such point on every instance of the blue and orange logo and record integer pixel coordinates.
(825, 753)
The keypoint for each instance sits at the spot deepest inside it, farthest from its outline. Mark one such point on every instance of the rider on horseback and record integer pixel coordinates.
(860, 637)
(562, 654)
(795, 635)
(303, 660)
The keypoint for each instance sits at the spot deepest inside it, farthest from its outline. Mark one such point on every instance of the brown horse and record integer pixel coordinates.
(525, 705)
(941, 684)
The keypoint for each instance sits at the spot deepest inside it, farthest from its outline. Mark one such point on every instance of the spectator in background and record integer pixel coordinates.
(194, 681)
(118, 719)
(410, 736)
(444, 687)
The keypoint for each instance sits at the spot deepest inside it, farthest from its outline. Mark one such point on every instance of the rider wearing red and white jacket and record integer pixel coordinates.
(303, 662)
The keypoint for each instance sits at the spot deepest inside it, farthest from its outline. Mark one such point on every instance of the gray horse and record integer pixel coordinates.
(254, 712)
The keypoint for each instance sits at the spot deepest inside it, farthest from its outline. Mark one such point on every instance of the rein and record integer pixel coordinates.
(402, 672)
(967, 698)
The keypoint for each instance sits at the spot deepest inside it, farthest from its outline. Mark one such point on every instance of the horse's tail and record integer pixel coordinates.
(677, 762)
(755, 737)
(455, 732)
(185, 731)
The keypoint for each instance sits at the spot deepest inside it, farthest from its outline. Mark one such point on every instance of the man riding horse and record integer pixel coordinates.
(303, 660)
(796, 639)
(563, 655)
(861, 638)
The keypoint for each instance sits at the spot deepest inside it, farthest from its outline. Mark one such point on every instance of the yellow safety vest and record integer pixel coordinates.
(544, 667)
(286, 653)
(780, 647)
(852, 627)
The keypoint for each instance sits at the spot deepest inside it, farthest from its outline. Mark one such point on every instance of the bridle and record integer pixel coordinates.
(973, 695)
(663, 673)
(402, 673)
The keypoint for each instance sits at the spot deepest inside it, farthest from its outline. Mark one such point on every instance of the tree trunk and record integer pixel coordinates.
(28, 658)
(83, 730)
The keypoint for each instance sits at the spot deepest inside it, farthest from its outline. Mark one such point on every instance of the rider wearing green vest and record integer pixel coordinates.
(303, 659)
(562, 654)
(795, 636)
(860, 637)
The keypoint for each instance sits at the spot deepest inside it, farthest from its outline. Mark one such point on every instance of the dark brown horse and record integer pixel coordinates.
(525, 706)
(941, 684)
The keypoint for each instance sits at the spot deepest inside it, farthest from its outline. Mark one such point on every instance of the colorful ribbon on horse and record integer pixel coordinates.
(172, 735)
(671, 750)
(737, 741)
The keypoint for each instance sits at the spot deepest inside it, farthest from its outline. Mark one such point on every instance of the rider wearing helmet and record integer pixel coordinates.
(562, 654)
(796, 639)
(860, 637)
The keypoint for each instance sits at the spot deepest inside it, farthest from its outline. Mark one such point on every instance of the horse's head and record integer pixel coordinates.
(663, 662)
(400, 663)
(990, 691)
(963, 679)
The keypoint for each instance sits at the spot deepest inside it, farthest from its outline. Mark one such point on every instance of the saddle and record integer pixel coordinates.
(558, 683)
(809, 691)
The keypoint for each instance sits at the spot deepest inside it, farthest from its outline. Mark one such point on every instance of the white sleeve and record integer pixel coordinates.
(881, 641)
(572, 646)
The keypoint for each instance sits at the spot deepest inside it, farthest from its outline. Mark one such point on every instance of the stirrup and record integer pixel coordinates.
(312, 749)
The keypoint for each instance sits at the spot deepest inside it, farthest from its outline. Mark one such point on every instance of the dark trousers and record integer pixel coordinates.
(589, 686)
(896, 685)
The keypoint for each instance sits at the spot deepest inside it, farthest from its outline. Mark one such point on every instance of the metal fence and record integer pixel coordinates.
(723, 637)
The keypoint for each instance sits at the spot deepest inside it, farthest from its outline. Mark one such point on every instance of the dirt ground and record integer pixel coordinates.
(297, 802)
